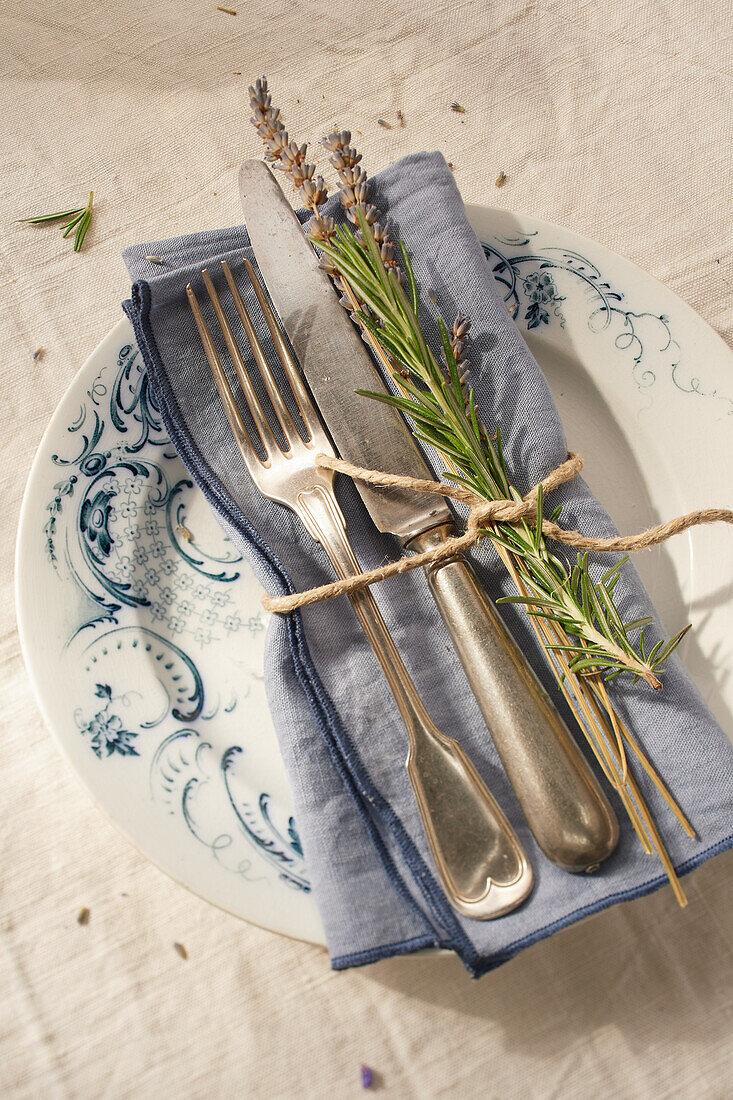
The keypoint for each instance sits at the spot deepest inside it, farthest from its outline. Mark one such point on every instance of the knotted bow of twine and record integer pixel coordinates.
(483, 513)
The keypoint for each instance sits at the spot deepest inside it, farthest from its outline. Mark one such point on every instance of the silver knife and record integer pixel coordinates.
(565, 808)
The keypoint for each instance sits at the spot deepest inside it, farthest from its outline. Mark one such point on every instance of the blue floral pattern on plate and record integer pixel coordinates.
(528, 276)
(153, 586)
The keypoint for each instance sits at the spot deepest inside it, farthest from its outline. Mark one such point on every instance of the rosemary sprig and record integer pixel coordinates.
(438, 399)
(575, 618)
(80, 218)
(443, 412)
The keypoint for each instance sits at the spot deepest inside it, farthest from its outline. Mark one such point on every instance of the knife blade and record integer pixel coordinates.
(334, 360)
(565, 807)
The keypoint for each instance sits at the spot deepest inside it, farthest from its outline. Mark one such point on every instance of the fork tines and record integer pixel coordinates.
(301, 396)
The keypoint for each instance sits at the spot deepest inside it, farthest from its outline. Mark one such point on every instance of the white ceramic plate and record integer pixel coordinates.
(142, 628)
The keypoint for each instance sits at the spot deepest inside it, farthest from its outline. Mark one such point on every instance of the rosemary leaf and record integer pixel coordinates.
(410, 276)
(41, 218)
(70, 225)
(84, 224)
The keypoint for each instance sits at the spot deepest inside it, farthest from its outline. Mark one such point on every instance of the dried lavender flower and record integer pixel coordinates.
(299, 173)
(265, 117)
(321, 228)
(281, 151)
(258, 93)
(354, 196)
(351, 176)
(276, 142)
(325, 264)
(346, 157)
(314, 192)
(461, 326)
(386, 251)
(370, 213)
(336, 140)
(294, 153)
(459, 343)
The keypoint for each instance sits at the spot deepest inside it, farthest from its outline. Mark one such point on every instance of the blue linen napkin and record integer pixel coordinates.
(338, 728)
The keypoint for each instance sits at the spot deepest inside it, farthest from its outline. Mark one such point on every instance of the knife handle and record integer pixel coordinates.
(565, 807)
(480, 861)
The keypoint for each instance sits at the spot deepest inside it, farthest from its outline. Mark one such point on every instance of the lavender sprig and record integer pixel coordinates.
(355, 194)
(281, 151)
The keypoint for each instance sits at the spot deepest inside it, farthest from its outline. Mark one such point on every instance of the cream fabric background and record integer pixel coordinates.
(613, 119)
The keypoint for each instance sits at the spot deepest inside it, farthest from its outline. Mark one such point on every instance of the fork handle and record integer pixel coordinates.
(481, 863)
(563, 803)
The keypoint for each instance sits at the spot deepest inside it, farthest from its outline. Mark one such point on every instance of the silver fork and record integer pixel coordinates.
(481, 863)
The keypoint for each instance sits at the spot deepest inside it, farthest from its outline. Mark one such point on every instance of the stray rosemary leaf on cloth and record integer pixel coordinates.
(79, 218)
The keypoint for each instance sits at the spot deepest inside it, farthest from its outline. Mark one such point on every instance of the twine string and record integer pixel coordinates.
(482, 514)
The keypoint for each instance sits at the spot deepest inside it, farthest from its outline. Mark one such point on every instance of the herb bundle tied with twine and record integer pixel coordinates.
(582, 632)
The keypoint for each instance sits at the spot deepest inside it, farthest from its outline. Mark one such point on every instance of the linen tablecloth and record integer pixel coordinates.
(610, 119)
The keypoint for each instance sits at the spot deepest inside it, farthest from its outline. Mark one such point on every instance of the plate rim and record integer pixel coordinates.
(477, 213)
